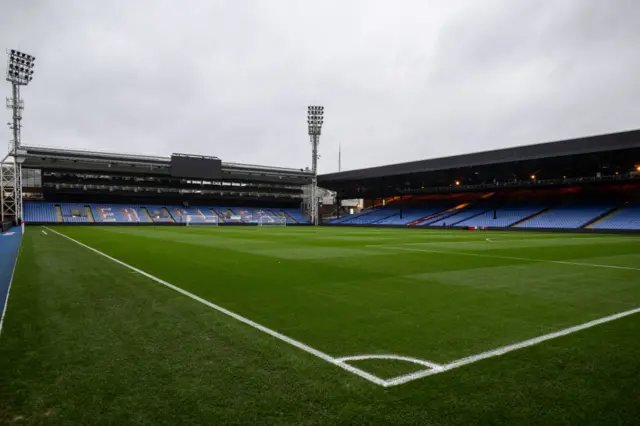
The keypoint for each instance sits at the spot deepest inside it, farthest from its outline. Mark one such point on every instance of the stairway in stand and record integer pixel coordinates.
(89, 213)
(146, 214)
(59, 218)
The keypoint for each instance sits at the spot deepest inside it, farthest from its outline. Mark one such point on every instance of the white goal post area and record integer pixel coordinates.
(192, 220)
(271, 221)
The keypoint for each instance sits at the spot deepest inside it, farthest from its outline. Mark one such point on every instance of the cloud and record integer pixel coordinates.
(400, 80)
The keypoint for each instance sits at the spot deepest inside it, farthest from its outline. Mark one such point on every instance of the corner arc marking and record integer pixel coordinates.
(424, 363)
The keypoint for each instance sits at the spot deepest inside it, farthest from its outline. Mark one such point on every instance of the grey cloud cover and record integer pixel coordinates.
(401, 80)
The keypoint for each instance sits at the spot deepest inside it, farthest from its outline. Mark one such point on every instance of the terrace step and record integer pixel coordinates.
(450, 213)
(603, 216)
(436, 215)
(528, 218)
(470, 217)
(171, 219)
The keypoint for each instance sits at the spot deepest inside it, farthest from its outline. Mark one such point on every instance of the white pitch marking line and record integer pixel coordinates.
(422, 362)
(528, 259)
(370, 377)
(44, 232)
(509, 348)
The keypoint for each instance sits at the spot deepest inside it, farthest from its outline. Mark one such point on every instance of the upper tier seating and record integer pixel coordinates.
(567, 217)
(626, 218)
(39, 212)
(505, 216)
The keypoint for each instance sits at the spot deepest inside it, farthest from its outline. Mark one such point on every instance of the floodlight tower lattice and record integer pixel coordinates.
(19, 73)
(315, 119)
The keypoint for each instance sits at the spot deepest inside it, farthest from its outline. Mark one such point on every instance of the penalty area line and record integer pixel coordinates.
(337, 362)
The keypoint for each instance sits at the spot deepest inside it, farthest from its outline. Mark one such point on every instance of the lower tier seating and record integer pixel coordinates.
(567, 217)
(504, 217)
(75, 213)
(106, 213)
(42, 212)
(625, 218)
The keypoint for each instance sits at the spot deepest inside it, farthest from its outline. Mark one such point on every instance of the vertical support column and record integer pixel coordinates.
(19, 73)
(401, 198)
(2, 209)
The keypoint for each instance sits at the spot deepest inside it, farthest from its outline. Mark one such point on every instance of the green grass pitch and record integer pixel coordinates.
(88, 340)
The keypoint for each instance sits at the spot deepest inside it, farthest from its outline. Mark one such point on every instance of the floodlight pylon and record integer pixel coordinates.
(315, 119)
(20, 69)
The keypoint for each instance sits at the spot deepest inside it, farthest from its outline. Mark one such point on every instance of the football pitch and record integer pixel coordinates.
(303, 325)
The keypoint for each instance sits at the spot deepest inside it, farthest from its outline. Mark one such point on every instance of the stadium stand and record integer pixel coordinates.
(624, 218)
(159, 214)
(505, 216)
(227, 215)
(345, 218)
(411, 214)
(372, 216)
(461, 216)
(74, 213)
(114, 213)
(292, 215)
(570, 216)
(40, 212)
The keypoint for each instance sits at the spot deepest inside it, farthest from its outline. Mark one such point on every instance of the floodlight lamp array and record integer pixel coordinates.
(315, 120)
(20, 67)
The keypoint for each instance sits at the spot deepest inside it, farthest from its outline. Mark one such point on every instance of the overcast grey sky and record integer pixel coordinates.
(400, 79)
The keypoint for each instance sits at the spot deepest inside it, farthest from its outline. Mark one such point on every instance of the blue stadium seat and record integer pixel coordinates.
(118, 213)
(295, 214)
(567, 217)
(410, 214)
(159, 214)
(626, 218)
(74, 213)
(39, 212)
(505, 217)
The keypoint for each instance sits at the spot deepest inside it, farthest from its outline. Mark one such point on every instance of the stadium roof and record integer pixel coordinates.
(108, 162)
(581, 157)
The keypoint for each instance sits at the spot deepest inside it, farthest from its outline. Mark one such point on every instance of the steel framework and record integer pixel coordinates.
(315, 119)
(19, 73)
